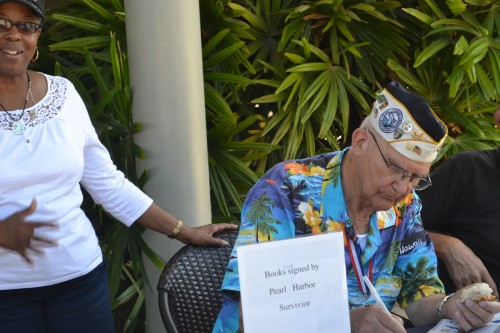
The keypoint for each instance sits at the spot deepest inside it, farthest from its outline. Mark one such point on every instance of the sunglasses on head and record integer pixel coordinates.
(22, 27)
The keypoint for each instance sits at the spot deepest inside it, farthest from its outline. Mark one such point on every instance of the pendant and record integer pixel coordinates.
(18, 127)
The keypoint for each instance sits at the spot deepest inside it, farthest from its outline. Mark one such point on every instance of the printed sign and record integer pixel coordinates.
(294, 285)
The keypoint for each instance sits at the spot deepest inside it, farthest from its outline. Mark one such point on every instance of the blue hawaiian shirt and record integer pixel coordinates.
(305, 197)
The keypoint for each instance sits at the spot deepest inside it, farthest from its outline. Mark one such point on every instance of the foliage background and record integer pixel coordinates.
(283, 79)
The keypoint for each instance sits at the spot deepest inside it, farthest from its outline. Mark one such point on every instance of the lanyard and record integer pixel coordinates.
(357, 266)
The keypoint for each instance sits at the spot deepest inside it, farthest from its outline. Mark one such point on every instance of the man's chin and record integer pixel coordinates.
(387, 202)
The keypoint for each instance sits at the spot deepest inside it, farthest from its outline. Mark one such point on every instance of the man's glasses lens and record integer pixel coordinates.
(423, 183)
(418, 183)
(22, 27)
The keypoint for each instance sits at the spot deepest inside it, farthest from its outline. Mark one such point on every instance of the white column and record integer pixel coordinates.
(164, 48)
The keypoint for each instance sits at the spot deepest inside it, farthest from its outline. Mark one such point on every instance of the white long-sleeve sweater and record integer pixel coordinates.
(58, 151)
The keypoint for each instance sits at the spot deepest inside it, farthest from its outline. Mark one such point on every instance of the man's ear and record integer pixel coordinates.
(360, 141)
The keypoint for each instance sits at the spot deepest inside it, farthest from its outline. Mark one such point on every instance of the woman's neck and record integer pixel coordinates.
(13, 91)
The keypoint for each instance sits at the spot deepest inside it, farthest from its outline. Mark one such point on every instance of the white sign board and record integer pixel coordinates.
(294, 285)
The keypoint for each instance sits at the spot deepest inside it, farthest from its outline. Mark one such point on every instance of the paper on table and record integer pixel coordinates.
(449, 326)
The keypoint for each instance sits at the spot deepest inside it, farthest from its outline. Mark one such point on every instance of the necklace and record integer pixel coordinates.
(18, 125)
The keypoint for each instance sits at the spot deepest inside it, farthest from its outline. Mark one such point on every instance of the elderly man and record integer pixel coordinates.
(367, 192)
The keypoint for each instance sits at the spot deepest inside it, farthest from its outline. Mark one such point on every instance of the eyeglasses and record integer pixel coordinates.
(417, 182)
(26, 28)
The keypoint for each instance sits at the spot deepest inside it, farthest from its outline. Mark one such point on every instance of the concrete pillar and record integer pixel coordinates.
(164, 49)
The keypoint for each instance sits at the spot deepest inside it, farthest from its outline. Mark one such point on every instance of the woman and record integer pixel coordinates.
(52, 273)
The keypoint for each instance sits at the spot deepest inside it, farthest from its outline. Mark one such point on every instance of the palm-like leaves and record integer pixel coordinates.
(457, 69)
(336, 54)
(230, 174)
(333, 51)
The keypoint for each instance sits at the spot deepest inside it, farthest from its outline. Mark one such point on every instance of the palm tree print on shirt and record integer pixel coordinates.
(260, 213)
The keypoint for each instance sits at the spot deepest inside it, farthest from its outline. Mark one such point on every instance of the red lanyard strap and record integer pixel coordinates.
(357, 266)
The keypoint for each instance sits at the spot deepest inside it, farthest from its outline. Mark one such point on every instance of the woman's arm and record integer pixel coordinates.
(157, 219)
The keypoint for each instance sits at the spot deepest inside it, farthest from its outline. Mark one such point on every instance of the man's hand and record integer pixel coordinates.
(463, 266)
(374, 319)
(18, 235)
(469, 315)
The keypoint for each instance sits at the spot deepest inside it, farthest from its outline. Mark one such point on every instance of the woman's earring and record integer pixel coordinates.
(35, 56)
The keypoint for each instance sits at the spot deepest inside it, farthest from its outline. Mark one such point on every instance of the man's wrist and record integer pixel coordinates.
(441, 304)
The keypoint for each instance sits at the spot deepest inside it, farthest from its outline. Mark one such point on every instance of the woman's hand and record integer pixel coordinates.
(203, 236)
(18, 235)
(374, 319)
(158, 219)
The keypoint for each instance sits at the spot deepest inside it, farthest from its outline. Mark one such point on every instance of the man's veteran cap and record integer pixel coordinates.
(406, 121)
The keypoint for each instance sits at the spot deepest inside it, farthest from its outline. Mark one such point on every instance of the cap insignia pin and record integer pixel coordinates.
(417, 150)
(417, 136)
(398, 134)
(382, 100)
(407, 127)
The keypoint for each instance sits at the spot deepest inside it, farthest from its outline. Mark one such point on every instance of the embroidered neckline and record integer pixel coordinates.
(43, 111)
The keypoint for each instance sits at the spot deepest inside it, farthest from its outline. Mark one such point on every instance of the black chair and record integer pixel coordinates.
(188, 289)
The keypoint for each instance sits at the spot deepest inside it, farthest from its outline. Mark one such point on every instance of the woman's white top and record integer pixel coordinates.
(58, 151)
